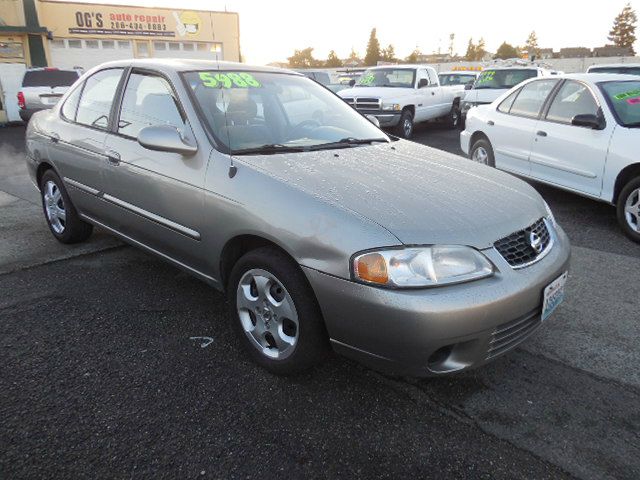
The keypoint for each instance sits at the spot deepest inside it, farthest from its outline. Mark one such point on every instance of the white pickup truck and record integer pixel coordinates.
(401, 95)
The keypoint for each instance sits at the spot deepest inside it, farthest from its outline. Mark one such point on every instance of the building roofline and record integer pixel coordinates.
(87, 4)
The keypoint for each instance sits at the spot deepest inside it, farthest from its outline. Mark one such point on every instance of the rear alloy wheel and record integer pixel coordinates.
(404, 128)
(62, 217)
(482, 152)
(628, 210)
(275, 312)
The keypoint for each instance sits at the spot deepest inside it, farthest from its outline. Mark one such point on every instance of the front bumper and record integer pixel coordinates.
(386, 119)
(465, 141)
(439, 330)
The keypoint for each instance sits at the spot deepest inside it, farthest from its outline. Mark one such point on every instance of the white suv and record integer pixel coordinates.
(41, 88)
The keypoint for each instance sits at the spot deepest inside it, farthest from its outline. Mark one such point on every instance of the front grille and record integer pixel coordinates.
(364, 103)
(518, 248)
(510, 334)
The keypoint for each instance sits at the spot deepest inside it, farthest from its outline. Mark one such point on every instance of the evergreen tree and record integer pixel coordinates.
(388, 54)
(373, 50)
(623, 33)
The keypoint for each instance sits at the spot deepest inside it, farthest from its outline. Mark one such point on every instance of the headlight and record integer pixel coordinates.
(550, 214)
(396, 107)
(421, 267)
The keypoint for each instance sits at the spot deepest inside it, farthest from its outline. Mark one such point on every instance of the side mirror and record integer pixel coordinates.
(423, 82)
(596, 122)
(468, 86)
(164, 138)
(373, 120)
(352, 82)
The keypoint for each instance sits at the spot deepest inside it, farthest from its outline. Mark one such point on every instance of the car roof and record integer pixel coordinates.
(616, 65)
(185, 65)
(459, 72)
(53, 69)
(599, 77)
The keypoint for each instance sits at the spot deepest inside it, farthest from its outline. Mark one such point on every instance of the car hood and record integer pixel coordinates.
(419, 194)
(484, 95)
(376, 92)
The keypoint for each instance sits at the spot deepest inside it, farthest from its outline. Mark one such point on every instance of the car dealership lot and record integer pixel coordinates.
(103, 373)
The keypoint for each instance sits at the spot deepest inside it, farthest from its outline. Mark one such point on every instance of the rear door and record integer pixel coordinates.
(512, 132)
(155, 198)
(76, 145)
(568, 155)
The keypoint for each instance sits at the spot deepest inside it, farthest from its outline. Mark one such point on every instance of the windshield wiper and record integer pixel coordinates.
(269, 149)
(348, 142)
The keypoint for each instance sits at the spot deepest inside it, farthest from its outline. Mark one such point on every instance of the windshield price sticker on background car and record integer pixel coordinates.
(628, 95)
(229, 80)
(486, 76)
(367, 79)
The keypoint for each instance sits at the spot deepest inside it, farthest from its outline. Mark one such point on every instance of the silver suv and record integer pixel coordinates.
(41, 88)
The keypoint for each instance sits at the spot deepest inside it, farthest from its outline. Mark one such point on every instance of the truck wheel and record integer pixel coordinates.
(628, 209)
(404, 128)
(275, 312)
(482, 152)
(63, 219)
(453, 118)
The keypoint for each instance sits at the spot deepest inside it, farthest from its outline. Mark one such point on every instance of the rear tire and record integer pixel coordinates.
(266, 290)
(628, 209)
(404, 129)
(62, 217)
(482, 152)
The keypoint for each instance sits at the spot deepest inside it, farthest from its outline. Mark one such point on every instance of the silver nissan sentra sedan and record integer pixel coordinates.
(322, 230)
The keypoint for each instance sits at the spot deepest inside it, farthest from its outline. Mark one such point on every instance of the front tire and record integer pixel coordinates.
(404, 129)
(62, 217)
(482, 152)
(628, 209)
(275, 312)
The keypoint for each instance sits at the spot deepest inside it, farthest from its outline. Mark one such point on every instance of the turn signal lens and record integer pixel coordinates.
(371, 267)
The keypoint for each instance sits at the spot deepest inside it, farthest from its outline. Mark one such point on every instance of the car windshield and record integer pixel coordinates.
(624, 98)
(264, 112)
(388, 77)
(625, 70)
(456, 79)
(49, 78)
(502, 79)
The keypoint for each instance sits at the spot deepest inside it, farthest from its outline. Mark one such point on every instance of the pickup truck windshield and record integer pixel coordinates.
(624, 98)
(447, 79)
(503, 79)
(388, 77)
(266, 113)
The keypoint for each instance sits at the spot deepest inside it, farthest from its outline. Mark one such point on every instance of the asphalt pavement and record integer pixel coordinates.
(114, 364)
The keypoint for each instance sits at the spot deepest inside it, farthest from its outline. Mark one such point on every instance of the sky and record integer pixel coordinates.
(271, 30)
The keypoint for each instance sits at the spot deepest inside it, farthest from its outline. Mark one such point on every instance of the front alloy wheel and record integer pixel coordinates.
(629, 210)
(267, 314)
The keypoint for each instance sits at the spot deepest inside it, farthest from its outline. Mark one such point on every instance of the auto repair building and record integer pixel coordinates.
(40, 33)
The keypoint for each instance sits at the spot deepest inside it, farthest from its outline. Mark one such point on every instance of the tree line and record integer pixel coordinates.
(622, 34)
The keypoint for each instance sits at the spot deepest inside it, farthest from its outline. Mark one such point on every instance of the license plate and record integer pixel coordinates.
(50, 100)
(553, 295)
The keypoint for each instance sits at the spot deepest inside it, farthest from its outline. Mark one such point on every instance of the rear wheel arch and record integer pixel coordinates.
(627, 174)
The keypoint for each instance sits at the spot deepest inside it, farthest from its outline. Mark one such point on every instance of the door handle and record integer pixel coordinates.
(491, 123)
(54, 137)
(113, 157)
(540, 133)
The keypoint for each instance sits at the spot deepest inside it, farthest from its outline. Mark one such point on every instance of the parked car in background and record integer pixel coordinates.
(457, 78)
(401, 95)
(320, 229)
(624, 68)
(493, 82)
(578, 132)
(323, 77)
(41, 88)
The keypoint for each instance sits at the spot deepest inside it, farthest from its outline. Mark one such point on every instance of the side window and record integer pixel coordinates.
(71, 104)
(572, 99)
(97, 96)
(505, 105)
(420, 74)
(433, 78)
(531, 98)
(148, 100)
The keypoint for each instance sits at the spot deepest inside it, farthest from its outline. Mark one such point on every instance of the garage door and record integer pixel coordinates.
(87, 53)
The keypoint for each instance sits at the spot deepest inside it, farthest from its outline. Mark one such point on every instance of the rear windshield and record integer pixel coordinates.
(626, 70)
(504, 79)
(624, 98)
(49, 78)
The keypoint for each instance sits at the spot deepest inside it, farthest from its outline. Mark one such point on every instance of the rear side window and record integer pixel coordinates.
(505, 105)
(148, 101)
(49, 78)
(97, 97)
(531, 98)
(572, 99)
(71, 104)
